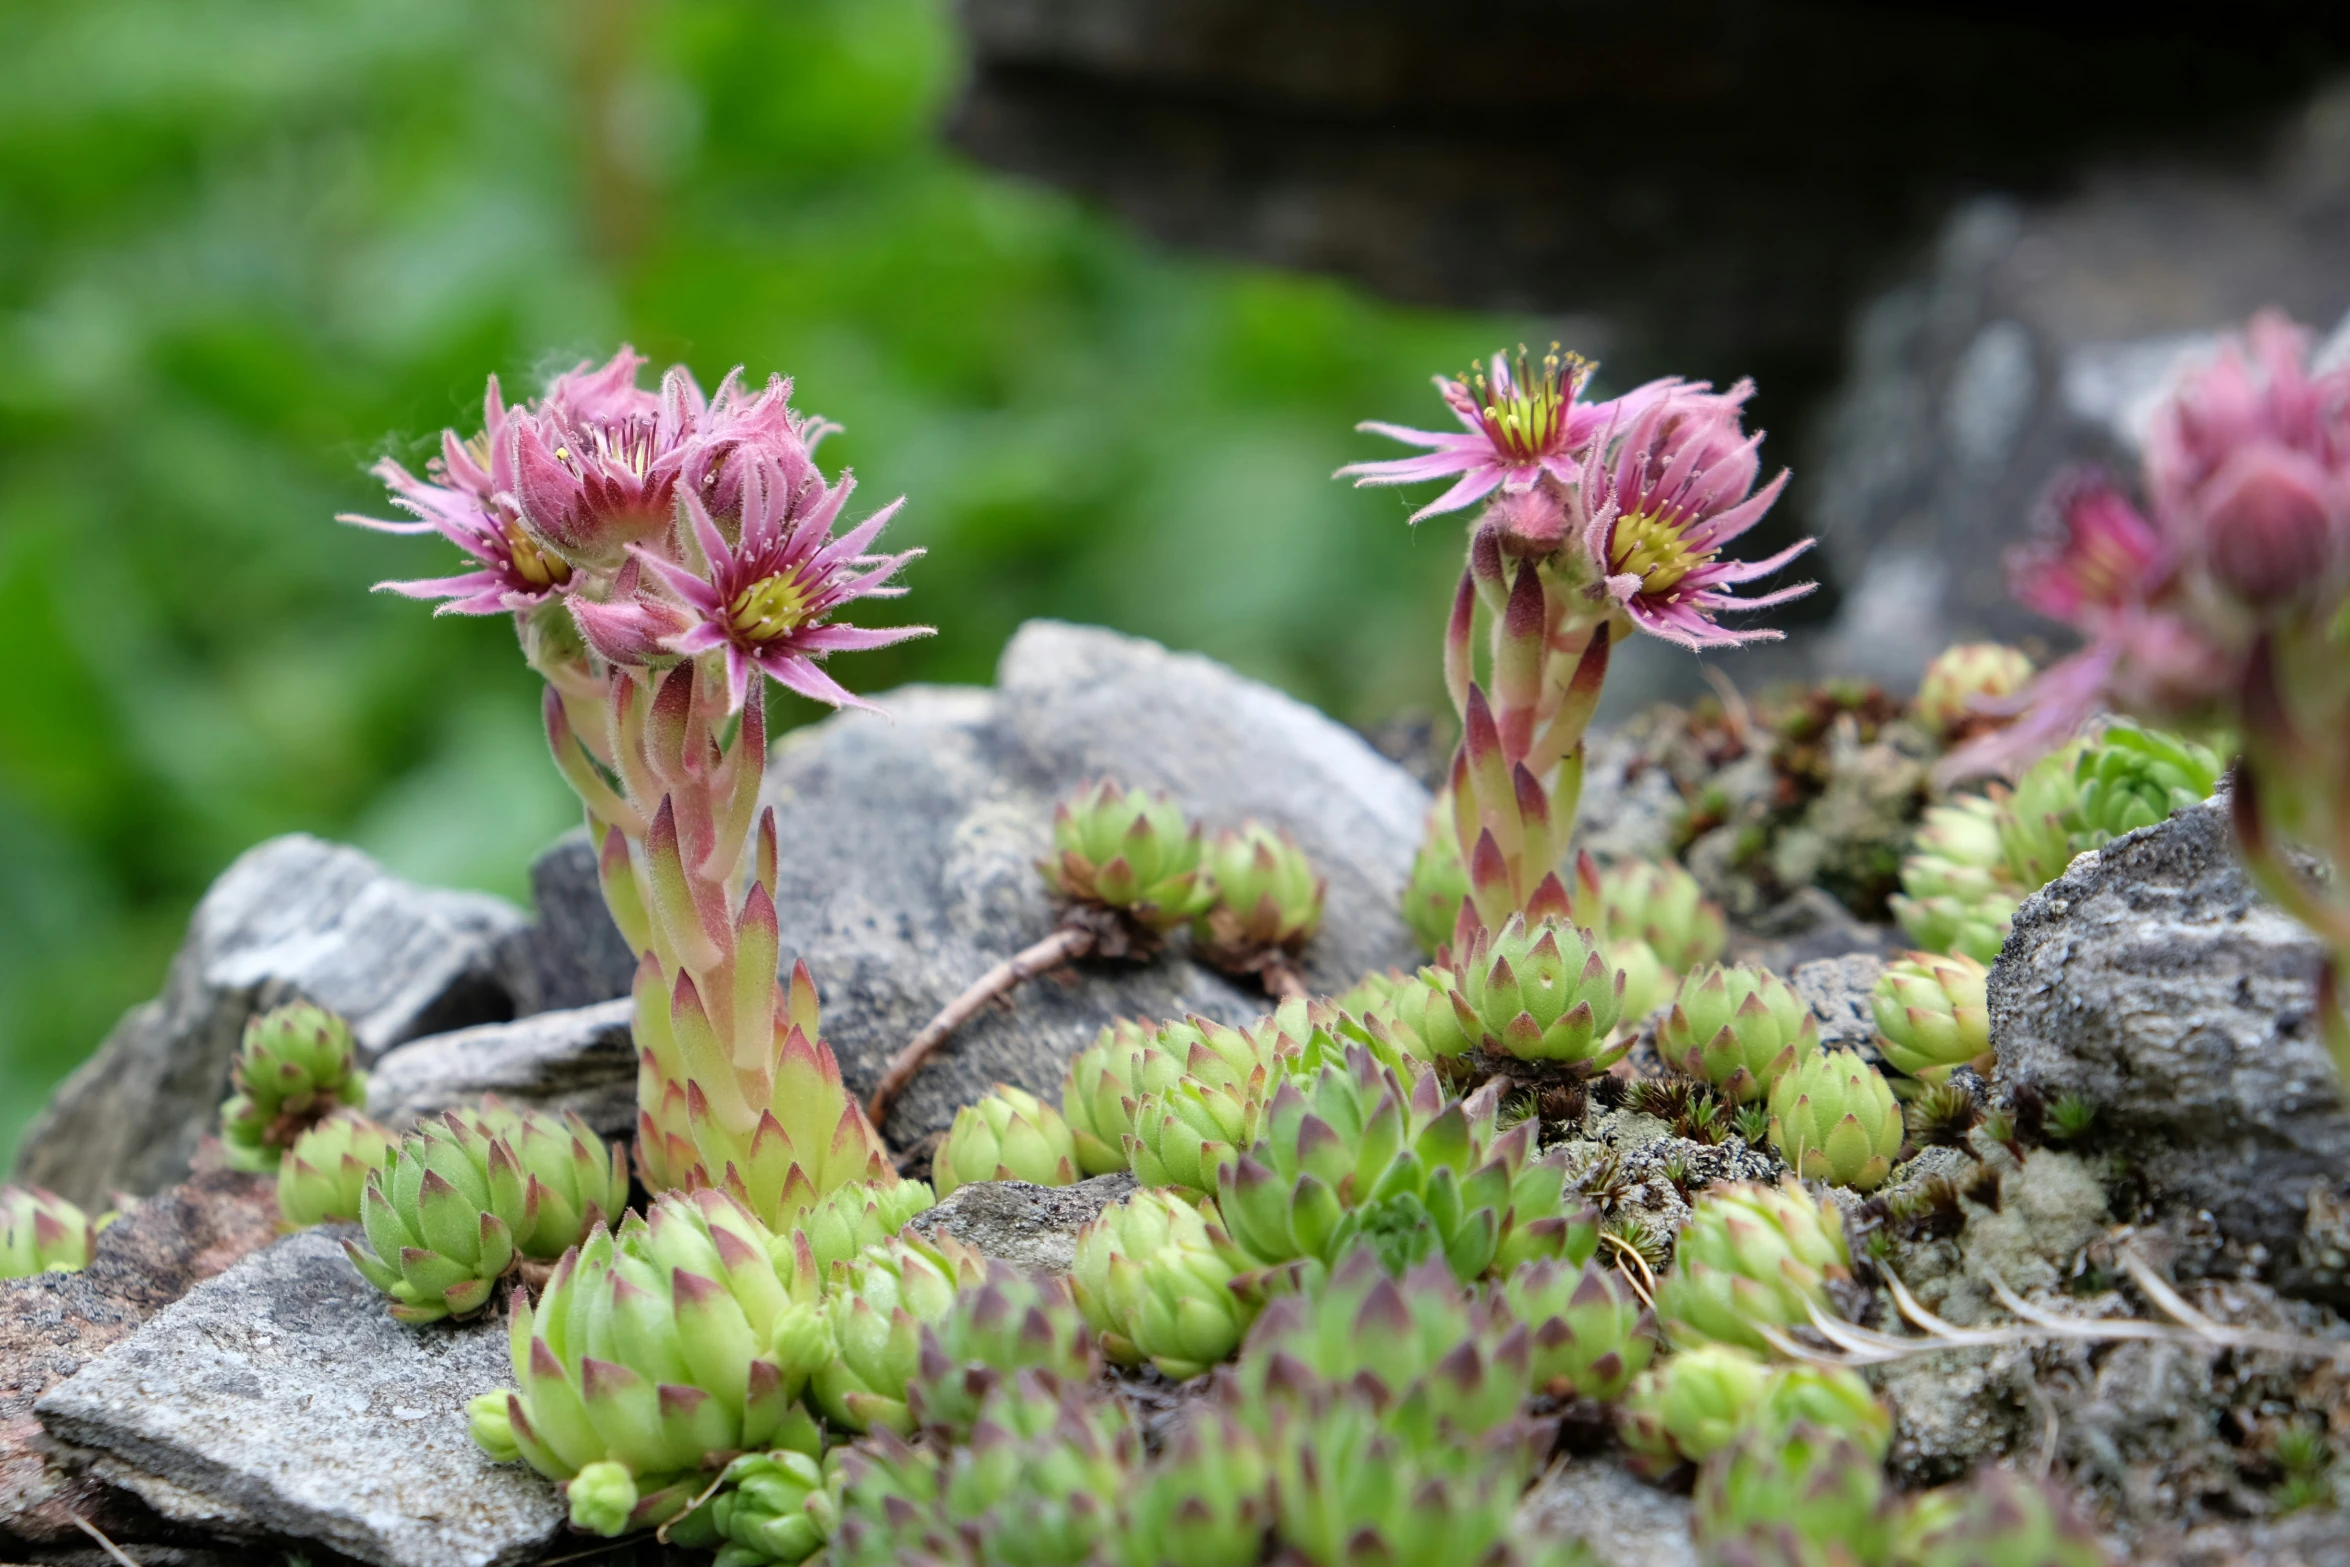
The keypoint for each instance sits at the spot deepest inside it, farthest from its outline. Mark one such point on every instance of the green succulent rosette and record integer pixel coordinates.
(295, 1065)
(324, 1175)
(1439, 883)
(1010, 1135)
(471, 1192)
(2133, 778)
(1656, 902)
(841, 1224)
(1740, 1029)
(1791, 1494)
(1207, 1502)
(1267, 897)
(1749, 1255)
(875, 1307)
(1956, 893)
(1997, 1519)
(2039, 821)
(1963, 676)
(1103, 1084)
(1834, 1119)
(890, 1511)
(1012, 1321)
(1348, 1489)
(1153, 1276)
(1540, 993)
(1587, 1332)
(41, 1232)
(1125, 850)
(1932, 1015)
(1829, 1398)
(652, 1351)
(1186, 1133)
(1691, 1404)
(1405, 1015)
(769, 1510)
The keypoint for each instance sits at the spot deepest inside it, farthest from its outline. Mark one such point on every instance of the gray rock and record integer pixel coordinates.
(571, 954)
(581, 1060)
(1807, 926)
(2152, 979)
(1837, 991)
(909, 844)
(293, 918)
(280, 1399)
(1630, 809)
(1032, 1227)
(1625, 1521)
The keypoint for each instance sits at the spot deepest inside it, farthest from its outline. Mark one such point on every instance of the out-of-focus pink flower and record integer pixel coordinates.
(1521, 422)
(1673, 490)
(2100, 555)
(767, 598)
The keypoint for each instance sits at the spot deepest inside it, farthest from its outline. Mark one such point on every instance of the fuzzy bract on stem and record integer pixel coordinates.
(663, 554)
(1598, 520)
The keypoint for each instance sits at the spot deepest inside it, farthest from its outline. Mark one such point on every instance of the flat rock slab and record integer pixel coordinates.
(1032, 1227)
(1623, 1520)
(280, 1399)
(294, 918)
(2152, 979)
(582, 1059)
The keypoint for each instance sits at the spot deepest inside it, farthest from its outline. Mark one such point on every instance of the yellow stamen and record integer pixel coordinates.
(532, 564)
(769, 608)
(1526, 415)
(1655, 549)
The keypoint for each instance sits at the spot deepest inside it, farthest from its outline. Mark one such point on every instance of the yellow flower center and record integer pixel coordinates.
(769, 608)
(1655, 549)
(534, 565)
(1525, 414)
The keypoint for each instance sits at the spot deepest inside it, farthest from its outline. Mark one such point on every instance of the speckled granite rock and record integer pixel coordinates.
(294, 917)
(583, 1059)
(279, 1399)
(1028, 1226)
(1625, 1521)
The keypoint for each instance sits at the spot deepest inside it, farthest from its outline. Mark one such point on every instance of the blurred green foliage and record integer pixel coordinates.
(246, 246)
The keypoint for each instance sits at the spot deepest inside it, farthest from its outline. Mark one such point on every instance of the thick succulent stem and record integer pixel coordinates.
(1064, 945)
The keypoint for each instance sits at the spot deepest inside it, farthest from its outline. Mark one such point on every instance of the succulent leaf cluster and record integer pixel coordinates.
(1588, 1333)
(1540, 992)
(2134, 777)
(1740, 1029)
(1932, 1015)
(1963, 676)
(1101, 1086)
(324, 1175)
(1011, 1321)
(1439, 882)
(470, 1193)
(1957, 894)
(1997, 1519)
(2038, 819)
(1207, 1502)
(1350, 1491)
(1652, 901)
(1406, 1016)
(769, 1509)
(1155, 1277)
(844, 1222)
(1793, 1494)
(1129, 851)
(1834, 1119)
(875, 1307)
(1691, 1404)
(41, 1232)
(1009, 1135)
(1752, 1254)
(295, 1064)
(1268, 897)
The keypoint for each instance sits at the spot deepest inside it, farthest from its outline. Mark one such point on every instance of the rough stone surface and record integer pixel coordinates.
(571, 954)
(1837, 991)
(1029, 1226)
(909, 846)
(1808, 926)
(294, 917)
(1625, 1521)
(2151, 979)
(582, 1060)
(54, 1324)
(280, 1398)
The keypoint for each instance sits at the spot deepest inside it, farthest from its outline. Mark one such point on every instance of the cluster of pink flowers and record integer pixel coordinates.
(2242, 546)
(663, 524)
(1648, 489)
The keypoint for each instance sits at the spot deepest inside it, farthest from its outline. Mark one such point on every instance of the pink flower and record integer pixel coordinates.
(1521, 424)
(1678, 487)
(2101, 554)
(766, 597)
(595, 462)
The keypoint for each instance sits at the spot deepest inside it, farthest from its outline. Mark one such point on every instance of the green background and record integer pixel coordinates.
(247, 246)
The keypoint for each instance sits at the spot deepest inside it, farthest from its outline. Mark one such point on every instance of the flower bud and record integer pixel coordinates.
(1834, 1120)
(1931, 1015)
(1267, 897)
(1153, 1276)
(1540, 993)
(1010, 1135)
(1691, 1404)
(1962, 676)
(40, 1232)
(294, 1065)
(1740, 1029)
(1127, 851)
(1586, 1328)
(324, 1175)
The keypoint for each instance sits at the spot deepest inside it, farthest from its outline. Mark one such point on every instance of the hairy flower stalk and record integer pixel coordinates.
(1598, 520)
(661, 552)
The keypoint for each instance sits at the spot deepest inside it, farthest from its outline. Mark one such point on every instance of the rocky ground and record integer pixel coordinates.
(209, 1392)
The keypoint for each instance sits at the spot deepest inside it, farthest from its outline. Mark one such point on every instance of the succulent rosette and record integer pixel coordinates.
(1653, 901)
(41, 1232)
(769, 1510)
(1125, 850)
(472, 1192)
(1104, 1082)
(1540, 992)
(1691, 1404)
(652, 1351)
(1740, 1029)
(875, 1306)
(1189, 1131)
(1932, 1015)
(1439, 883)
(2040, 820)
(1963, 680)
(1405, 1015)
(1956, 893)
(1752, 1254)
(2132, 778)
(1207, 1502)
(295, 1064)
(1587, 1332)
(1349, 1489)
(1268, 899)
(1834, 1119)
(844, 1221)
(1153, 1276)
(1790, 1489)
(1999, 1519)
(1830, 1398)
(1012, 1321)
(324, 1175)
(1010, 1135)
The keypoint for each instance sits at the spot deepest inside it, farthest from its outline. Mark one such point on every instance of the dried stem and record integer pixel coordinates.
(104, 1544)
(1064, 945)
